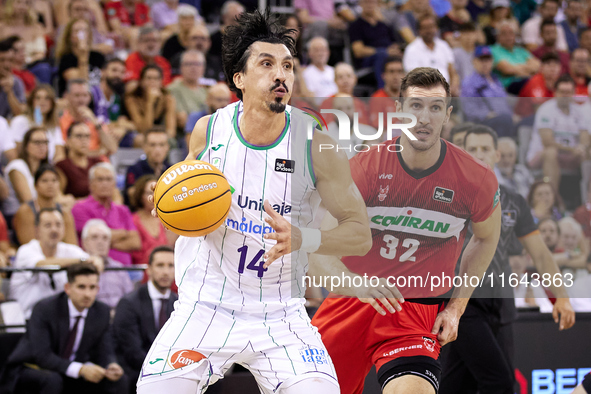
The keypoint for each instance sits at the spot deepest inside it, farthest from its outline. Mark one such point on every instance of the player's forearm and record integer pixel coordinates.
(323, 268)
(475, 260)
(349, 238)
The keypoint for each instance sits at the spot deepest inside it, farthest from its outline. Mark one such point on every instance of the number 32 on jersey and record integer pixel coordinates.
(409, 246)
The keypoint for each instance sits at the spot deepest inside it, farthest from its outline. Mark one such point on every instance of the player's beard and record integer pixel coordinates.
(425, 145)
(277, 106)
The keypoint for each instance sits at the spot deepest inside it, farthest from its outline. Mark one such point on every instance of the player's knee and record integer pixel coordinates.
(423, 367)
(310, 383)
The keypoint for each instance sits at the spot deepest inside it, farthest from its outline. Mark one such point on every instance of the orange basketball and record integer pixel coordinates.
(192, 198)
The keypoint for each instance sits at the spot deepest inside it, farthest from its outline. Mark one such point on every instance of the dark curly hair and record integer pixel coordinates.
(237, 39)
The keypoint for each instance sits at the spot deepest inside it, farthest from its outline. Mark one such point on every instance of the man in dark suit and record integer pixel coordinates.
(68, 347)
(142, 313)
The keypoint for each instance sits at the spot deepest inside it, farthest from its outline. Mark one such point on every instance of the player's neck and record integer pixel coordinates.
(420, 160)
(260, 127)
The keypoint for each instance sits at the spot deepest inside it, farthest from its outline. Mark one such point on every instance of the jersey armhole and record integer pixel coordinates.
(208, 136)
(528, 234)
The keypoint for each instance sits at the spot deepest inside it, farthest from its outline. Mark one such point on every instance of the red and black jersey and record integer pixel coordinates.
(419, 219)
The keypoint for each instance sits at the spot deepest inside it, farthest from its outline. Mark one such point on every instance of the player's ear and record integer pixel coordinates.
(448, 114)
(238, 80)
(398, 106)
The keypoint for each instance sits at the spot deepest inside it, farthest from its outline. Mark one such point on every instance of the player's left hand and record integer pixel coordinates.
(446, 326)
(282, 235)
(563, 308)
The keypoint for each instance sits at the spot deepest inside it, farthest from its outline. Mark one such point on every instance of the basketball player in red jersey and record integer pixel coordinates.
(420, 202)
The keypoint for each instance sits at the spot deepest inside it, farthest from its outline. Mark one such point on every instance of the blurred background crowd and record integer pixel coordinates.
(98, 98)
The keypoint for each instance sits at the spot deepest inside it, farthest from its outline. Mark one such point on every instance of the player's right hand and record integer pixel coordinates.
(387, 294)
(151, 198)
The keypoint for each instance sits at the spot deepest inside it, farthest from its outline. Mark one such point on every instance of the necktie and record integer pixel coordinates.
(162, 317)
(71, 340)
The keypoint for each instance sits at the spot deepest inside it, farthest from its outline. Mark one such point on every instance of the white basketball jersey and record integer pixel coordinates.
(225, 267)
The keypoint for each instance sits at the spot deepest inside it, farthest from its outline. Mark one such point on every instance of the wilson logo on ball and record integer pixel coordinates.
(182, 358)
(171, 176)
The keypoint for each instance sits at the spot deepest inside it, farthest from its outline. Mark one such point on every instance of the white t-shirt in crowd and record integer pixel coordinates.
(530, 33)
(418, 54)
(21, 124)
(566, 127)
(11, 204)
(320, 82)
(27, 287)
(6, 141)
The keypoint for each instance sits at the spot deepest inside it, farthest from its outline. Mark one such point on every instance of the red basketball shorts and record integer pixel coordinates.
(357, 337)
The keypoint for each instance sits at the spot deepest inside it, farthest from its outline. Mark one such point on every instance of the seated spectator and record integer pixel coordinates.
(188, 93)
(147, 55)
(102, 41)
(78, 99)
(73, 170)
(29, 287)
(48, 196)
(345, 78)
(572, 23)
(125, 17)
(96, 240)
(458, 133)
(100, 205)
(585, 39)
(107, 100)
(75, 57)
(548, 32)
(7, 149)
(428, 50)
(42, 112)
(384, 100)
(575, 248)
(371, 40)
(179, 42)
(544, 202)
(346, 104)
(579, 63)
(512, 64)
(19, 172)
(318, 75)
(583, 215)
(155, 163)
(149, 104)
(200, 41)
(483, 98)
(19, 64)
(560, 139)
(228, 14)
(539, 88)
(152, 232)
(464, 51)
(218, 96)
(68, 342)
(165, 16)
(550, 233)
(12, 88)
(514, 176)
(141, 314)
(20, 19)
(450, 23)
(500, 10)
(530, 30)
(416, 10)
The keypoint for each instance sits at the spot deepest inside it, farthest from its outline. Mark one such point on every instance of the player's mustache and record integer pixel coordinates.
(280, 84)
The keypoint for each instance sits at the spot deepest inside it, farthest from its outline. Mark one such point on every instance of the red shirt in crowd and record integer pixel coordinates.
(135, 63)
(28, 79)
(532, 95)
(360, 108)
(116, 10)
(564, 57)
(380, 102)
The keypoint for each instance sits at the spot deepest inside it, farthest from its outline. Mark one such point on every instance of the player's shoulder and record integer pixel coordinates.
(467, 169)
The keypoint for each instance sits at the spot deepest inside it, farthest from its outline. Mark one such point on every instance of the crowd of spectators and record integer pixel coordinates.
(81, 80)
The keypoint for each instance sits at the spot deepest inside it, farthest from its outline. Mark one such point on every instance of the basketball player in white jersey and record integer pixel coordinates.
(234, 305)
